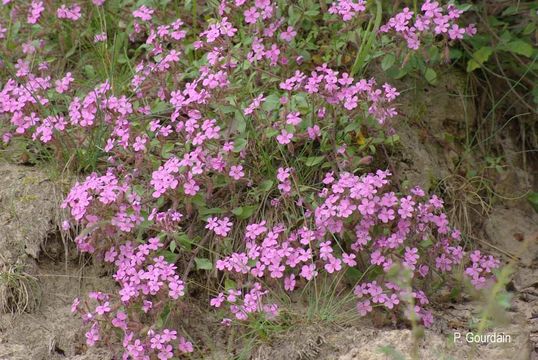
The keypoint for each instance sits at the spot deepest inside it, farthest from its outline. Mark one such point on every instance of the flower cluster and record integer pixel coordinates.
(220, 227)
(180, 146)
(241, 306)
(34, 13)
(434, 20)
(72, 13)
(480, 271)
(142, 277)
(359, 206)
(343, 90)
(347, 9)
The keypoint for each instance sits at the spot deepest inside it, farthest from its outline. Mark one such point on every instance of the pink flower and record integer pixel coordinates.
(62, 85)
(391, 301)
(72, 13)
(377, 258)
(289, 283)
(314, 132)
(455, 32)
(220, 227)
(92, 336)
(443, 263)
(349, 259)
(185, 346)
(284, 138)
(251, 15)
(333, 265)
(147, 306)
(289, 34)
(293, 119)
(347, 9)
(102, 37)
(236, 172)
(364, 307)
(34, 13)
(255, 104)
(3, 31)
(471, 30)
(143, 13)
(308, 271)
(102, 309)
(75, 304)
(217, 301)
(119, 320)
(139, 144)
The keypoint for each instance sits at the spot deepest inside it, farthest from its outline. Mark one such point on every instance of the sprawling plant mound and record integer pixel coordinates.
(240, 148)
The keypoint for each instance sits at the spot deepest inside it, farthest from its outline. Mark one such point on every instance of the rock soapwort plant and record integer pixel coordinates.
(226, 146)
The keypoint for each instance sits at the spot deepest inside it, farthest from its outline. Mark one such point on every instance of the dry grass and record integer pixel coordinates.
(19, 291)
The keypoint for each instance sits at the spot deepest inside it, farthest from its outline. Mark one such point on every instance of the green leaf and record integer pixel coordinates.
(533, 199)
(293, 16)
(433, 53)
(426, 243)
(353, 274)
(184, 241)
(204, 211)
(431, 76)
(353, 126)
(529, 29)
(244, 212)
(479, 57)
(240, 144)
(314, 160)
(465, 7)
(388, 61)
(397, 73)
(271, 132)
(520, 47)
(203, 264)
(299, 102)
(139, 189)
(167, 148)
(511, 10)
(170, 256)
(239, 123)
(229, 284)
(455, 54)
(163, 316)
(122, 59)
(159, 107)
(71, 51)
(227, 109)
(266, 185)
(272, 102)
(89, 71)
(199, 200)
(311, 13)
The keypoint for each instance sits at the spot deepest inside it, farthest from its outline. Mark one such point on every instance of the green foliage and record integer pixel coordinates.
(507, 45)
(533, 199)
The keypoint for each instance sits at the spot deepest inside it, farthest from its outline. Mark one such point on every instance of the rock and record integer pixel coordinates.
(28, 206)
(515, 231)
(394, 343)
(367, 343)
(432, 123)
